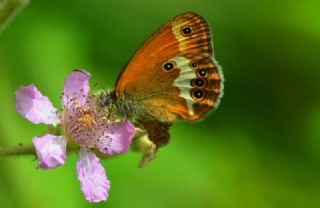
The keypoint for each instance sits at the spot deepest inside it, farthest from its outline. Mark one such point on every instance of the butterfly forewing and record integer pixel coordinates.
(173, 75)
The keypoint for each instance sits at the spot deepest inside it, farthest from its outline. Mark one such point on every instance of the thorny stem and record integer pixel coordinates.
(25, 150)
(140, 143)
(20, 150)
(9, 9)
(71, 147)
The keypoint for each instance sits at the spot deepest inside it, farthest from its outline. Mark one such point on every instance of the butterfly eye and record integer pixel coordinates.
(168, 66)
(186, 30)
(197, 95)
(199, 83)
(202, 73)
(194, 65)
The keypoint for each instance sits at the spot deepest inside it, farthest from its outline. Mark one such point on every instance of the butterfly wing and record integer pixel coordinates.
(173, 75)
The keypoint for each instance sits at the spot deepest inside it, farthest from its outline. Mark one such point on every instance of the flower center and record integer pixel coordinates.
(84, 122)
(87, 120)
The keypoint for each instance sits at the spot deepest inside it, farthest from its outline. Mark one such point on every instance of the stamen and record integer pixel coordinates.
(85, 122)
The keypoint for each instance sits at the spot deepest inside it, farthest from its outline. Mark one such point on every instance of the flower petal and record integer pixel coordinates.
(94, 183)
(51, 150)
(35, 107)
(117, 138)
(76, 85)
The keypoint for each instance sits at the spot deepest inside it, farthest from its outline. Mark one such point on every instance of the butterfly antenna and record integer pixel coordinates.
(96, 83)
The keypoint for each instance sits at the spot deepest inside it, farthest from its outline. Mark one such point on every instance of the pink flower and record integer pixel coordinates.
(82, 122)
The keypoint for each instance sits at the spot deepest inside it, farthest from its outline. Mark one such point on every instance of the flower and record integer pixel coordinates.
(83, 123)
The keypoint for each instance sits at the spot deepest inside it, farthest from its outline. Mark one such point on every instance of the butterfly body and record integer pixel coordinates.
(172, 76)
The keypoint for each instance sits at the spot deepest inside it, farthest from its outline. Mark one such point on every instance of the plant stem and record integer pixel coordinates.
(14, 151)
(27, 150)
(9, 9)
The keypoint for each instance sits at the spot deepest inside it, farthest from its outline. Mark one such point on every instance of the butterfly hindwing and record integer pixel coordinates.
(199, 83)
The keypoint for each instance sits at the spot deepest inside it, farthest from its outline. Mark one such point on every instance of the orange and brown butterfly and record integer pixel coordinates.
(172, 76)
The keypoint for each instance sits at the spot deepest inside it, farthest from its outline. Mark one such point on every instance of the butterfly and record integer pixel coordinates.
(172, 76)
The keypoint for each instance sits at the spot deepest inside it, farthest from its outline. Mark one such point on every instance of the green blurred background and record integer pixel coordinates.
(260, 149)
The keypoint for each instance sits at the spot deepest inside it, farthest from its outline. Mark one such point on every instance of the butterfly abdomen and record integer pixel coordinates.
(158, 132)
